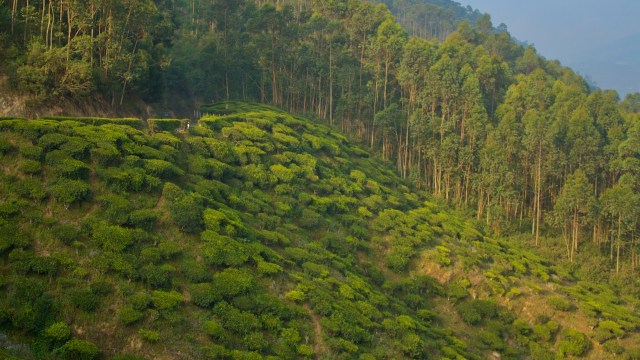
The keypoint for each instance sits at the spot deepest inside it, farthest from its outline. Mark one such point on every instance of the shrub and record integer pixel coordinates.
(112, 237)
(30, 167)
(614, 347)
(68, 191)
(232, 282)
(203, 294)
(72, 169)
(97, 121)
(58, 332)
(162, 169)
(115, 209)
(145, 219)
(491, 340)
(399, 257)
(149, 335)
(606, 330)
(6, 146)
(560, 304)
(573, 343)
(214, 329)
(79, 349)
(65, 233)
(487, 308)
(456, 292)
(104, 155)
(128, 315)
(468, 313)
(295, 296)
(85, 299)
(195, 272)
(31, 152)
(31, 189)
(167, 124)
(185, 210)
(163, 300)
(139, 301)
(223, 250)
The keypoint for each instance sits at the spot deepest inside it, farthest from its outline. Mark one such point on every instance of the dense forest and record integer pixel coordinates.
(459, 109)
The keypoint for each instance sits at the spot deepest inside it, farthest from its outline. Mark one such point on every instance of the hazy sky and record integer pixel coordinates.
(598, 38)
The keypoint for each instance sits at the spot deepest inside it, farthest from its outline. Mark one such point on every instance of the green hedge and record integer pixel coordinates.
(3, 118)
(167, 124)
(133, 122)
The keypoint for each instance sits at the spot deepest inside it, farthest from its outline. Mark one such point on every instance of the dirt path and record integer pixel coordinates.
(319, 347)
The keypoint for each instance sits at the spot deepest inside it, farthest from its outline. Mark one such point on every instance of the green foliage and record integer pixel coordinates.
(167, 124)
(468, 313)
(267, 230)
(546, 332)
(128, 315)
(232, 282)
(608, 329)
(163, 300)
(223, 250)
(203, 295)
(84, 299)
(97, 121)
(149, 335)
(560, 304)
(79, 349)
(144, 219)
(68, 192)
(573, 343)
(185, 209)
(58, 332)
(30, 167)
(139, 301)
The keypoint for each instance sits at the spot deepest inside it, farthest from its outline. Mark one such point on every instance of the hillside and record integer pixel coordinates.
(258, 234)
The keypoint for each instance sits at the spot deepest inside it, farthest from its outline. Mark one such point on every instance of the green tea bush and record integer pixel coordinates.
(144, 219)
(491, 340)
(606, 330)
(104, 155)
(139, 301)
(79, 349)
(149, 335)
(84, 299)
(68, 192)
(560, 304)
(203, 295)
(128, 315)
(614, 347)
(65, 233)
(72, 169)
(163, 300)
(468, 313)
(32, 152)
(58, 332)
(30, 167)
(573, 343)
(96, 121)
(167, 124)
(232, 282)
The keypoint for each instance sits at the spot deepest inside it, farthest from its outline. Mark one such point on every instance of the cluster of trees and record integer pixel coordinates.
(431, 18)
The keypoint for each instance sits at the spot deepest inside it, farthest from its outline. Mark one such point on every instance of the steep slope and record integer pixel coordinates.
(256, 234)
(246, 236)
